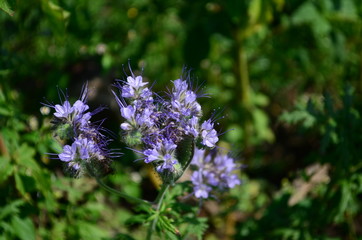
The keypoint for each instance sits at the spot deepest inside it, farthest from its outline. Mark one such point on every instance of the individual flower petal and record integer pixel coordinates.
(136, 82)
(63, 110)
(126, 126)
(80, 106)
(127, 91)
(144, 119)
(179, 85)
(128, 112)
(207, 125)
(190, 97)
(84, 119)
(209, 138)
(151, 155)
(69, 153)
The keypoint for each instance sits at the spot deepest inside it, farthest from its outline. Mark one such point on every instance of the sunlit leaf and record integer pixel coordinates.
(4, 5)
(6, 169)
(11, 209)
(308, 13)
(24, 228)
(19, 184)
(255, 10)
(58, 16)
(91, 231)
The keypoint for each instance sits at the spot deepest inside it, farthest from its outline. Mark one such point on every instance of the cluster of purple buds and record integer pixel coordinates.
(84, 146)
(166, 129)
(213, 171)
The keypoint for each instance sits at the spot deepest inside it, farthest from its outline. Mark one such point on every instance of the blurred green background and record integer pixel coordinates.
(284, 78)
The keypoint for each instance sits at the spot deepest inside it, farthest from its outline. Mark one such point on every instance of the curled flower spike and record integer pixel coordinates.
(85, 147)
(183, 100)
(213, 171)
(166, 128)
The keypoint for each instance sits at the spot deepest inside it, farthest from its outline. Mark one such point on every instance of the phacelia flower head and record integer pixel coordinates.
(213, 171)
(84, 146)
(167, 128)
(73, 112)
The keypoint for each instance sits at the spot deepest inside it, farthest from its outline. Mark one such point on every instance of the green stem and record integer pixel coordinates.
(123, 195)
(244, 87)
(158, 203)
(112, 190)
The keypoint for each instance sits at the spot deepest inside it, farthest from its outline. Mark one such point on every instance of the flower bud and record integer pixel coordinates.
(133, 138)
(64, 131)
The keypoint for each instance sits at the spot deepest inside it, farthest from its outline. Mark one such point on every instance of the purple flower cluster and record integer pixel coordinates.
(84, 148)
(213, 171)
(166, 131)
(160, 125)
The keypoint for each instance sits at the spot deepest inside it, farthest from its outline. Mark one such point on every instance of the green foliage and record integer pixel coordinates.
(4, 5)
(325, 199)
(182, 221)
(277, 69)
(301, 114)
(18, 166)
(36, 202)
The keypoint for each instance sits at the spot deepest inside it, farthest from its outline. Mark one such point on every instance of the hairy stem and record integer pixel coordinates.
(244, 87)
(114, 191)
(158, 204)
(121, 194)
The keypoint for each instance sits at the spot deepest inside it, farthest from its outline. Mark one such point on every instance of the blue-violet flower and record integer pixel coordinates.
(212, 171)
(162, 125)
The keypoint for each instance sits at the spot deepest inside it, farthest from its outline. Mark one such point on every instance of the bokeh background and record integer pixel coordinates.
(284, 78)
